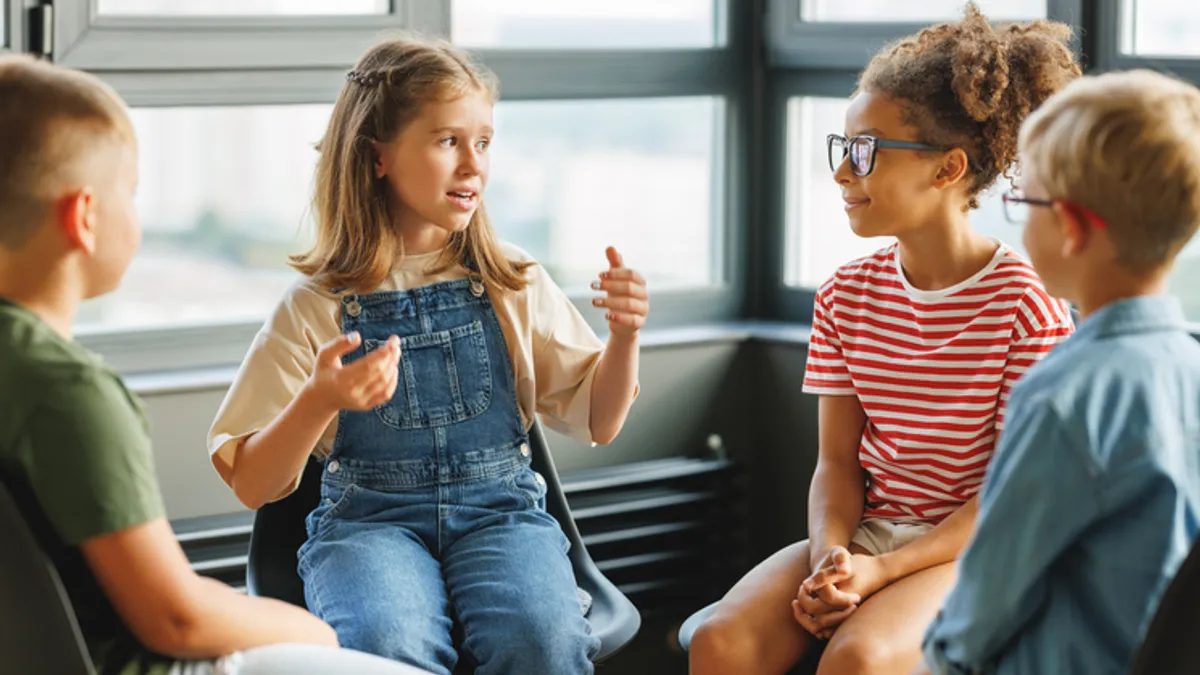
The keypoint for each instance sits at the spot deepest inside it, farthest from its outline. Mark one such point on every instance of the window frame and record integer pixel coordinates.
(144, 78)
(86, 39)
(795, 43)
(12, 37)
(1109, 24)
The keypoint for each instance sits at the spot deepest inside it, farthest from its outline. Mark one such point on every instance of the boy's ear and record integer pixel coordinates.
(1075, 232)
(953, 169)
(76, 216)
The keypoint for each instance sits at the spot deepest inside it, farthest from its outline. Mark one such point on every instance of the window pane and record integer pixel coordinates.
(1185, 280)
(4, 41)
(224, 196)
(873, 11)
(819, 239)
(242, 7)
(570, 178)
(613, 24)
(1160, 28)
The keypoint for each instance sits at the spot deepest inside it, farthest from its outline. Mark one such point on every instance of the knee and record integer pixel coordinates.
(545, 646)
(405, 644)
(721, 645)
(855, 655)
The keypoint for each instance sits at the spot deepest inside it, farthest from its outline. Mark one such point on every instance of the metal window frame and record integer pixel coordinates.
(258, 74)
(12, 37)
(86, 39)
(1109, 27)
(795, 43)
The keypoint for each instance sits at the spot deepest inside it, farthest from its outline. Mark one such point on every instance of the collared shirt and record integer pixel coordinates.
(1090, 505)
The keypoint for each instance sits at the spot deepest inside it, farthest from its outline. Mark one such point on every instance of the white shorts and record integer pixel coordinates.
(880, 536)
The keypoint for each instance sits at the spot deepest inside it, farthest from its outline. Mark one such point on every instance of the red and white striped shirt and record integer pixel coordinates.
(932, 370)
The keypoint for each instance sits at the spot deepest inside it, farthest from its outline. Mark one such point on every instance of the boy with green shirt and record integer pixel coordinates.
(74, 443)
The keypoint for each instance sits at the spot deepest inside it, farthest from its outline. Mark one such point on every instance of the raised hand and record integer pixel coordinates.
(365, 384)
(627, 299)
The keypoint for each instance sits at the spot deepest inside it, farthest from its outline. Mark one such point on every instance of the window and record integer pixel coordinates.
(819, 239)
(883, 11)
(1160, 28)
(1185, 280)
(224, 199)
(614, 24)
(240, 7)
(569, 178)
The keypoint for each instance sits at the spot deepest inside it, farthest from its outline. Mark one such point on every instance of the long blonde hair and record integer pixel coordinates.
(357, 243)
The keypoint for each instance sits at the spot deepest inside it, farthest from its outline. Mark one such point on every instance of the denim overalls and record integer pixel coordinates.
(429, 510)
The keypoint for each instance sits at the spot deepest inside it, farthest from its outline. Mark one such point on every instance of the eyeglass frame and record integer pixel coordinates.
(1015, 197)
(875, 143)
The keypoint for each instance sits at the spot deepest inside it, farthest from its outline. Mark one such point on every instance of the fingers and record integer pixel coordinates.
(832, 620)
(623, 304)
(614, 258)
(338, 347)
(836, 598)
(806, 621)
(632, 321)
(623, 274)
(826, 576)
(622, 288)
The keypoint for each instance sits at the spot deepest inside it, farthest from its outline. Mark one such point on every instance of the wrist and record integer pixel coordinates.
(891, 566)
(618, 340)
(311, 401)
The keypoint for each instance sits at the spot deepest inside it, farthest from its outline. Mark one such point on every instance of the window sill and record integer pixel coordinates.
(158, 383)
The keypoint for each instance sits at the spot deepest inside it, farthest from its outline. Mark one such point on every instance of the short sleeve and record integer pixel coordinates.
(825, 371)
(566, 353)
(1042, 323)
(277, 365)
(90, 463)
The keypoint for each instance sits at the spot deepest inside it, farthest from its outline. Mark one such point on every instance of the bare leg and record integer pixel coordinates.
(752, 629)
(884, 635)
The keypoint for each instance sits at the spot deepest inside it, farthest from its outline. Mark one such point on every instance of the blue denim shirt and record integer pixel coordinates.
(1090, 504)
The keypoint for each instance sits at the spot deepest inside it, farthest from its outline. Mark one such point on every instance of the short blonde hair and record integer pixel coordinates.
(51, 120)
(1127, 146)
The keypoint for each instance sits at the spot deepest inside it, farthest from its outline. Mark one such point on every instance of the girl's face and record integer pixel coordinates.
(906, 188)
(437, 168)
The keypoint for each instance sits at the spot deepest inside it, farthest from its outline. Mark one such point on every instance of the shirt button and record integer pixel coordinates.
(524, 449)
(540, 481)
(333, 466)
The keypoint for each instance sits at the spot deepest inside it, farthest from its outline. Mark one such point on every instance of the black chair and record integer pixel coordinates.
(279, 531)
(38, 629)
(1170, 646)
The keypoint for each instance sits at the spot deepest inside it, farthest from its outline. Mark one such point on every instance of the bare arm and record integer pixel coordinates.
(269, 460)
(835, 501)
(173, 611)
(940, 545)
(614, 387)
(616, 379)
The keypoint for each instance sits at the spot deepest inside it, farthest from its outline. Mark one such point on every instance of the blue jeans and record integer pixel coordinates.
(505, 576)
(293, 659)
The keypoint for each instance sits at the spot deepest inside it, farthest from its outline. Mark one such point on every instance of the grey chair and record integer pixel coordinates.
(279, 531)
(38, 629)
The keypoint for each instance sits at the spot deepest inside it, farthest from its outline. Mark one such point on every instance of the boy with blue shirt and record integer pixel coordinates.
(1093, 498)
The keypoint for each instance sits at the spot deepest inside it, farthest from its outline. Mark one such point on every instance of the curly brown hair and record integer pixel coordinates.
(968, 85)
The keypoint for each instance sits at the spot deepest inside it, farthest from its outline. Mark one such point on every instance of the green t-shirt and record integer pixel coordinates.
(75, 441)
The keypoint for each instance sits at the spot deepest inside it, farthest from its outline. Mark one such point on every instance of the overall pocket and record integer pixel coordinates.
(445, 378)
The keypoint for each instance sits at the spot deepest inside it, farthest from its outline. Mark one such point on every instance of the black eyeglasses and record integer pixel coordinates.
(1016, 208)
(861, 151)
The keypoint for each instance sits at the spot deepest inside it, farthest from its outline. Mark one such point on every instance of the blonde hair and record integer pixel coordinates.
(357, 244)
(51, 120)
(1127, 146)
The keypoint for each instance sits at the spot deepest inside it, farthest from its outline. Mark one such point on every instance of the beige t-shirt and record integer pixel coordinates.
(554, 355)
